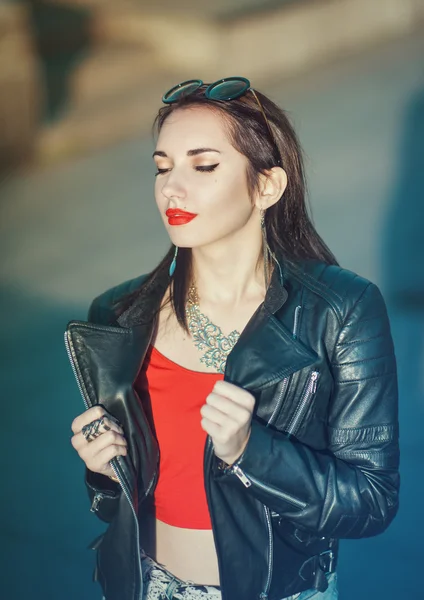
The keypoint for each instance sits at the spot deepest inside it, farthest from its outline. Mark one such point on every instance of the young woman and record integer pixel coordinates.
(241, 398)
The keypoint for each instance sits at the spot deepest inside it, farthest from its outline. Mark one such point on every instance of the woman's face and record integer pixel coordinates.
(201, 173)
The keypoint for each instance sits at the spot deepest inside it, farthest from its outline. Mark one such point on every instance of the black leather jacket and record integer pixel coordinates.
(322, 459)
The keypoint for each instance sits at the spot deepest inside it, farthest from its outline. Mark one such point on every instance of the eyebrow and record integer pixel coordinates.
(193, 152)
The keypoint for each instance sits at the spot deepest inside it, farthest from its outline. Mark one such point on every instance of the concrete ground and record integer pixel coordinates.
(68, 233)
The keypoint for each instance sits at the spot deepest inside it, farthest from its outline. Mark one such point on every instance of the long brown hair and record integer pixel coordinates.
(290, 232)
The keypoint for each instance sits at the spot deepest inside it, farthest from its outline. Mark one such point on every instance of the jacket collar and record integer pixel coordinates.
(145, 306)
(266, 350)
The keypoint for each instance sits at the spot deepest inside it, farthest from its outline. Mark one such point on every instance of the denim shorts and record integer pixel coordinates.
(160, 584)
(331, 593)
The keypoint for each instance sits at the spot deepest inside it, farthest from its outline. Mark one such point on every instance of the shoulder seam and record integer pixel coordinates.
(357, 301)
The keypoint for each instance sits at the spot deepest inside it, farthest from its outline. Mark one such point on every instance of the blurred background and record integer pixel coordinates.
(80, 83)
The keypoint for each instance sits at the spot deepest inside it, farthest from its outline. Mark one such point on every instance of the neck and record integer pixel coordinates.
(230, 273)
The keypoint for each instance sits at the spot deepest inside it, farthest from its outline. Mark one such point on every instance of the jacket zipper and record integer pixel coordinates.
(264, 594)
(248, 480)
(207, 463)
(76, 374)
(100, 496)
(285, 382)
(281, 395)
(311, 388)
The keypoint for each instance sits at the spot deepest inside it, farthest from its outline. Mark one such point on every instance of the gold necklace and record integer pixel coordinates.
(207, 336)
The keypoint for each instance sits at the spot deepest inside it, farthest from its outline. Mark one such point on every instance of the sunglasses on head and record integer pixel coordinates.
(222, 90)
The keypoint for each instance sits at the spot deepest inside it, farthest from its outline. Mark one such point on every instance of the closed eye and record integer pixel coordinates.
(207, 168)
(200, 168)
(161, 171)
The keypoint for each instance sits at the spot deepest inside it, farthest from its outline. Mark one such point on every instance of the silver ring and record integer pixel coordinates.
(92, 430)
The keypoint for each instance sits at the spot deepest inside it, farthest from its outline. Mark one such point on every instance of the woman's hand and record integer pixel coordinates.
(109, 443)
(226, 417)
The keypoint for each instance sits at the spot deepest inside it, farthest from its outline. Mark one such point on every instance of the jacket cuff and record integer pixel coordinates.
(265, 469)
(98, 483)
(255, 457)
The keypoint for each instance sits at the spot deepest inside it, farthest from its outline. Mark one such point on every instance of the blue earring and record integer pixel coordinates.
(174, 263)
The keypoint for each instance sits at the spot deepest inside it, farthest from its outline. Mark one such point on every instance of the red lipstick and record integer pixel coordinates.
(177, 216)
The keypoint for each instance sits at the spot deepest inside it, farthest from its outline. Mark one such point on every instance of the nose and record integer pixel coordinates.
(173, 188)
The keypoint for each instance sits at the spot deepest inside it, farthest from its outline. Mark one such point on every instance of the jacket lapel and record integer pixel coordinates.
(266, 350)
(106, 362)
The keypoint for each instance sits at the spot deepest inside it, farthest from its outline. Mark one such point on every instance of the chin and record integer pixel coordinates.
(183, 240)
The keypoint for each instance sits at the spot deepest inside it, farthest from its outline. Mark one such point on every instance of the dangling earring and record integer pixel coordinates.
(265, 248)
(174, 263)
(267, 252)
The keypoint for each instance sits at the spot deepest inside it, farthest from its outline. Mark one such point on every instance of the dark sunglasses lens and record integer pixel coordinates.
(229, 89)
(181, 90)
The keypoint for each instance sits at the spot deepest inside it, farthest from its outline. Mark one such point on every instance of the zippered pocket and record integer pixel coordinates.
(98, 497)
(248, 480)
(301, 409)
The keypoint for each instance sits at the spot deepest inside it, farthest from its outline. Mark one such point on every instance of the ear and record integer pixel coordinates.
(272, 185)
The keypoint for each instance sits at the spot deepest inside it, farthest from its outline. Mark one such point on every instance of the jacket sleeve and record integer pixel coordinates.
(102, 491)
(351, 489)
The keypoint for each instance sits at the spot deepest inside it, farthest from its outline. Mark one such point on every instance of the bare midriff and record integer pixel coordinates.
(189, 554)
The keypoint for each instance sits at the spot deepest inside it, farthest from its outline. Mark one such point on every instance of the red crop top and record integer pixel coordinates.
(176, 395)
